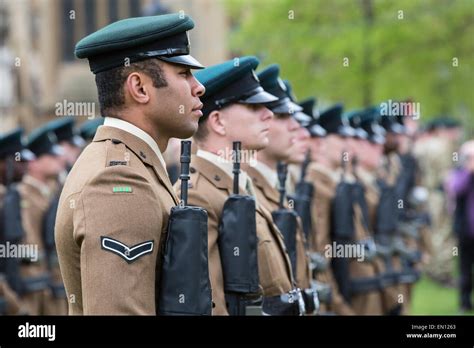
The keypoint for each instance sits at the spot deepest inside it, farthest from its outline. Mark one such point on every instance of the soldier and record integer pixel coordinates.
(436, 153)
(14, 157)
(71, 142)
(37, 193)
(368, 150)
(286, 144)
(114, 208)
(356, 278)
(394, 224)
(323, 180)
(234, 110)
(72, 145)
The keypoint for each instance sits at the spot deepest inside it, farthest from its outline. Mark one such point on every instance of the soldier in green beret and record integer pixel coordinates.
(114, 208)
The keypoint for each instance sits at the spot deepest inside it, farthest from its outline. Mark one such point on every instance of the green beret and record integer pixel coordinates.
(164, 37)
(233, 81)
(12, 143)
(308, 105)
(64, 130)
(272, 83)
(43, 141)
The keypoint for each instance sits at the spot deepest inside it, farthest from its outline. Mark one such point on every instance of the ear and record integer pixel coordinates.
(217, 123)
(137, 87)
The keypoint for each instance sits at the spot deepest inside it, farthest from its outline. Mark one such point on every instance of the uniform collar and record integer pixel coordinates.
(269, 174)
(225, 165)
(42, 187)
(139, 133)
(141, 149)
(260, 179)
(333, 174)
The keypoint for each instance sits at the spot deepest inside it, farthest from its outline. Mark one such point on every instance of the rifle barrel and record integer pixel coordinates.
(184, 176)
(236, 170)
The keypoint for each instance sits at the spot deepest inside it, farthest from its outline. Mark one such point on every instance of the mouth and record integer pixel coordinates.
(197, 109)
(265, 130)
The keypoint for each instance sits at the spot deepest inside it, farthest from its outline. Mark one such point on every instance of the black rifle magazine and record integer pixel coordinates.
(185, 285)
(238, 245)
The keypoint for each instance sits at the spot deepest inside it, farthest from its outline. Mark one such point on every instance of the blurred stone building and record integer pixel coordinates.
(37, 38)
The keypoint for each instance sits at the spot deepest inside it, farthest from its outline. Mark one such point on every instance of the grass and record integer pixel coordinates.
(431, 298)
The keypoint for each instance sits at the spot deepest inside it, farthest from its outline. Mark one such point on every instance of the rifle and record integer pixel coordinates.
(185, 285)
(238, 245)
(303, 197)
(285, 219)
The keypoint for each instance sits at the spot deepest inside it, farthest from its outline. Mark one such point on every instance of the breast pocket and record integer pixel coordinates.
(270, 268)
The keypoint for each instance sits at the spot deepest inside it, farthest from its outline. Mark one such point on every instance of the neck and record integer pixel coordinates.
(269, 161)
(219, 147)
(142, 122)
(38, 176)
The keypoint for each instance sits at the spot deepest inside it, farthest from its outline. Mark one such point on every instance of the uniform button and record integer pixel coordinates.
(217, 178)
(142, 154)
(213, 304)
(192, 170)
(190, 184)
(116, 141)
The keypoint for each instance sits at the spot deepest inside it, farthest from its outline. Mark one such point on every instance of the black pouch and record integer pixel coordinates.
(286, 221)
(185, 286)
(238, 245)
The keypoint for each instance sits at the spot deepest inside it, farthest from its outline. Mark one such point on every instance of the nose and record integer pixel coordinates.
(198, 89)
(267, 114)
(293, 124)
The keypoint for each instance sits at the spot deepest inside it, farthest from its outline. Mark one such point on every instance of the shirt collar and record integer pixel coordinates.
(225, 165)
(268, 173)
(39, 185)
(139, 133)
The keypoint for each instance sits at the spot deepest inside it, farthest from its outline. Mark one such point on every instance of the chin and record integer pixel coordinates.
(187, 132)
(258, 146)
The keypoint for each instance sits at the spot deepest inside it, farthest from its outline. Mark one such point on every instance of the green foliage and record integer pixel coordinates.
(389, 57)
(430, 298)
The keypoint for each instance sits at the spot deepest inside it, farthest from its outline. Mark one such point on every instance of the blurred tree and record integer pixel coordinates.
(423, 50)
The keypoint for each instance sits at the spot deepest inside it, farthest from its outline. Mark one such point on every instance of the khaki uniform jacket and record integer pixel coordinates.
(34, 203)
(269, 198)
(116, 197)
(368, 303)
(362, 303)
(372, 194)
(209, 188)
(12, 300)
(324, 181)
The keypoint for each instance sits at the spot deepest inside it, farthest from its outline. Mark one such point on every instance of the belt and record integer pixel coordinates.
(409, 276)
(243, 304)
(58, 290)
(3, 306)
(253, 310)
(389, 279)
(35, 283)
(290, 303)
(359, 285)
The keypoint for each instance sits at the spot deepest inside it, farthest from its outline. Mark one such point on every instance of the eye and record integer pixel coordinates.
(254, 107)
(186, 72)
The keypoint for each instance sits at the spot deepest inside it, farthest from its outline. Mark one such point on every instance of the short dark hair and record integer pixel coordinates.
(110, 83)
